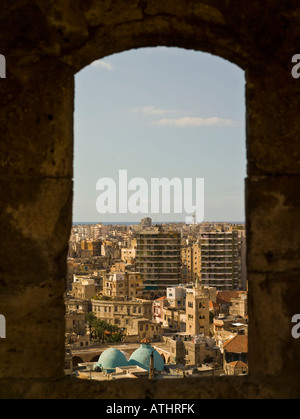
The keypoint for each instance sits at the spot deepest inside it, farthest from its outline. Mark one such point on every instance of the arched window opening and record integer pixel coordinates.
(160, 163)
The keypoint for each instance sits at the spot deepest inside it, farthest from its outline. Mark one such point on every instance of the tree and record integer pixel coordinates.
(115, 337)
(90, 318)
(99, 327)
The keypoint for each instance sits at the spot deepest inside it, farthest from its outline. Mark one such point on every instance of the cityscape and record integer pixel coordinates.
(162, 301)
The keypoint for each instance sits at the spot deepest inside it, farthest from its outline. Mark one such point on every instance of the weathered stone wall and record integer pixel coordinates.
(45, 44)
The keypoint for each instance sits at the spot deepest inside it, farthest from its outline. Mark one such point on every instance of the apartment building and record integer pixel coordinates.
(159, 260)
(221, 262)
(185, 308)
(128, 255)
(123, 285)
(140, 328)
(176, 297)
(185, 349)
(90, 248)
(122, 313)
(84, 288)
(174, 319)
(75, 322)
(239, 305)
(191, 262)
(110, 249)
(158, 309)
(77, 304)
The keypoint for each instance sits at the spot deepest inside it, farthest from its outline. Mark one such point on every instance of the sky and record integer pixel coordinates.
(159, 113)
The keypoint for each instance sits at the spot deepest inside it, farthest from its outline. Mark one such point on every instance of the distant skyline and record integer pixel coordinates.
(161, 112)
(127, 223)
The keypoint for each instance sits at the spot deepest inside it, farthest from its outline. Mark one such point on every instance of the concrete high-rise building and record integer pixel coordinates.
(221, 260)
(243, 245)
(159, 260)
(191, 262)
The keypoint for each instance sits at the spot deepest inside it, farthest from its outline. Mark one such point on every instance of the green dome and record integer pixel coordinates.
(141, 357)
(110, 359)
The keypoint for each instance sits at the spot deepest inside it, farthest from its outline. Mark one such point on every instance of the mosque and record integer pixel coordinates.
(112, 364)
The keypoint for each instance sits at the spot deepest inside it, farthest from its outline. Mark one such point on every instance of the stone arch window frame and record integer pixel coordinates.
(43, 89)
(219, 55)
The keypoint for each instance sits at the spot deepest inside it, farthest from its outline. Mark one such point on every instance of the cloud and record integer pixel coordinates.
(183, 121)
(102, 64)
(195, 122)
(151, 110)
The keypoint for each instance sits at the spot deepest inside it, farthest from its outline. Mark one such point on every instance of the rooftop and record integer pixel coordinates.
(238, 344)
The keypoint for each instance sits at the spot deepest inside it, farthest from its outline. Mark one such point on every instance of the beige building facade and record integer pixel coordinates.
(191, 262)
(189, 350)
(84, 288)
(75, 322)
(123, 285)
(90, 248)
(139, 329)
(122, 313)
(174, 319)
(239, 305)
(197, 310)
(128, 255)
(77, 304)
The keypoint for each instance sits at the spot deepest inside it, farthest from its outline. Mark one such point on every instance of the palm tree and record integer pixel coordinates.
(99, 328)
(90, 318)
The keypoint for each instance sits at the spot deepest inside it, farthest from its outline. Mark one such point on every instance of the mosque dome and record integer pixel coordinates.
(110, 359)
(141, 357)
